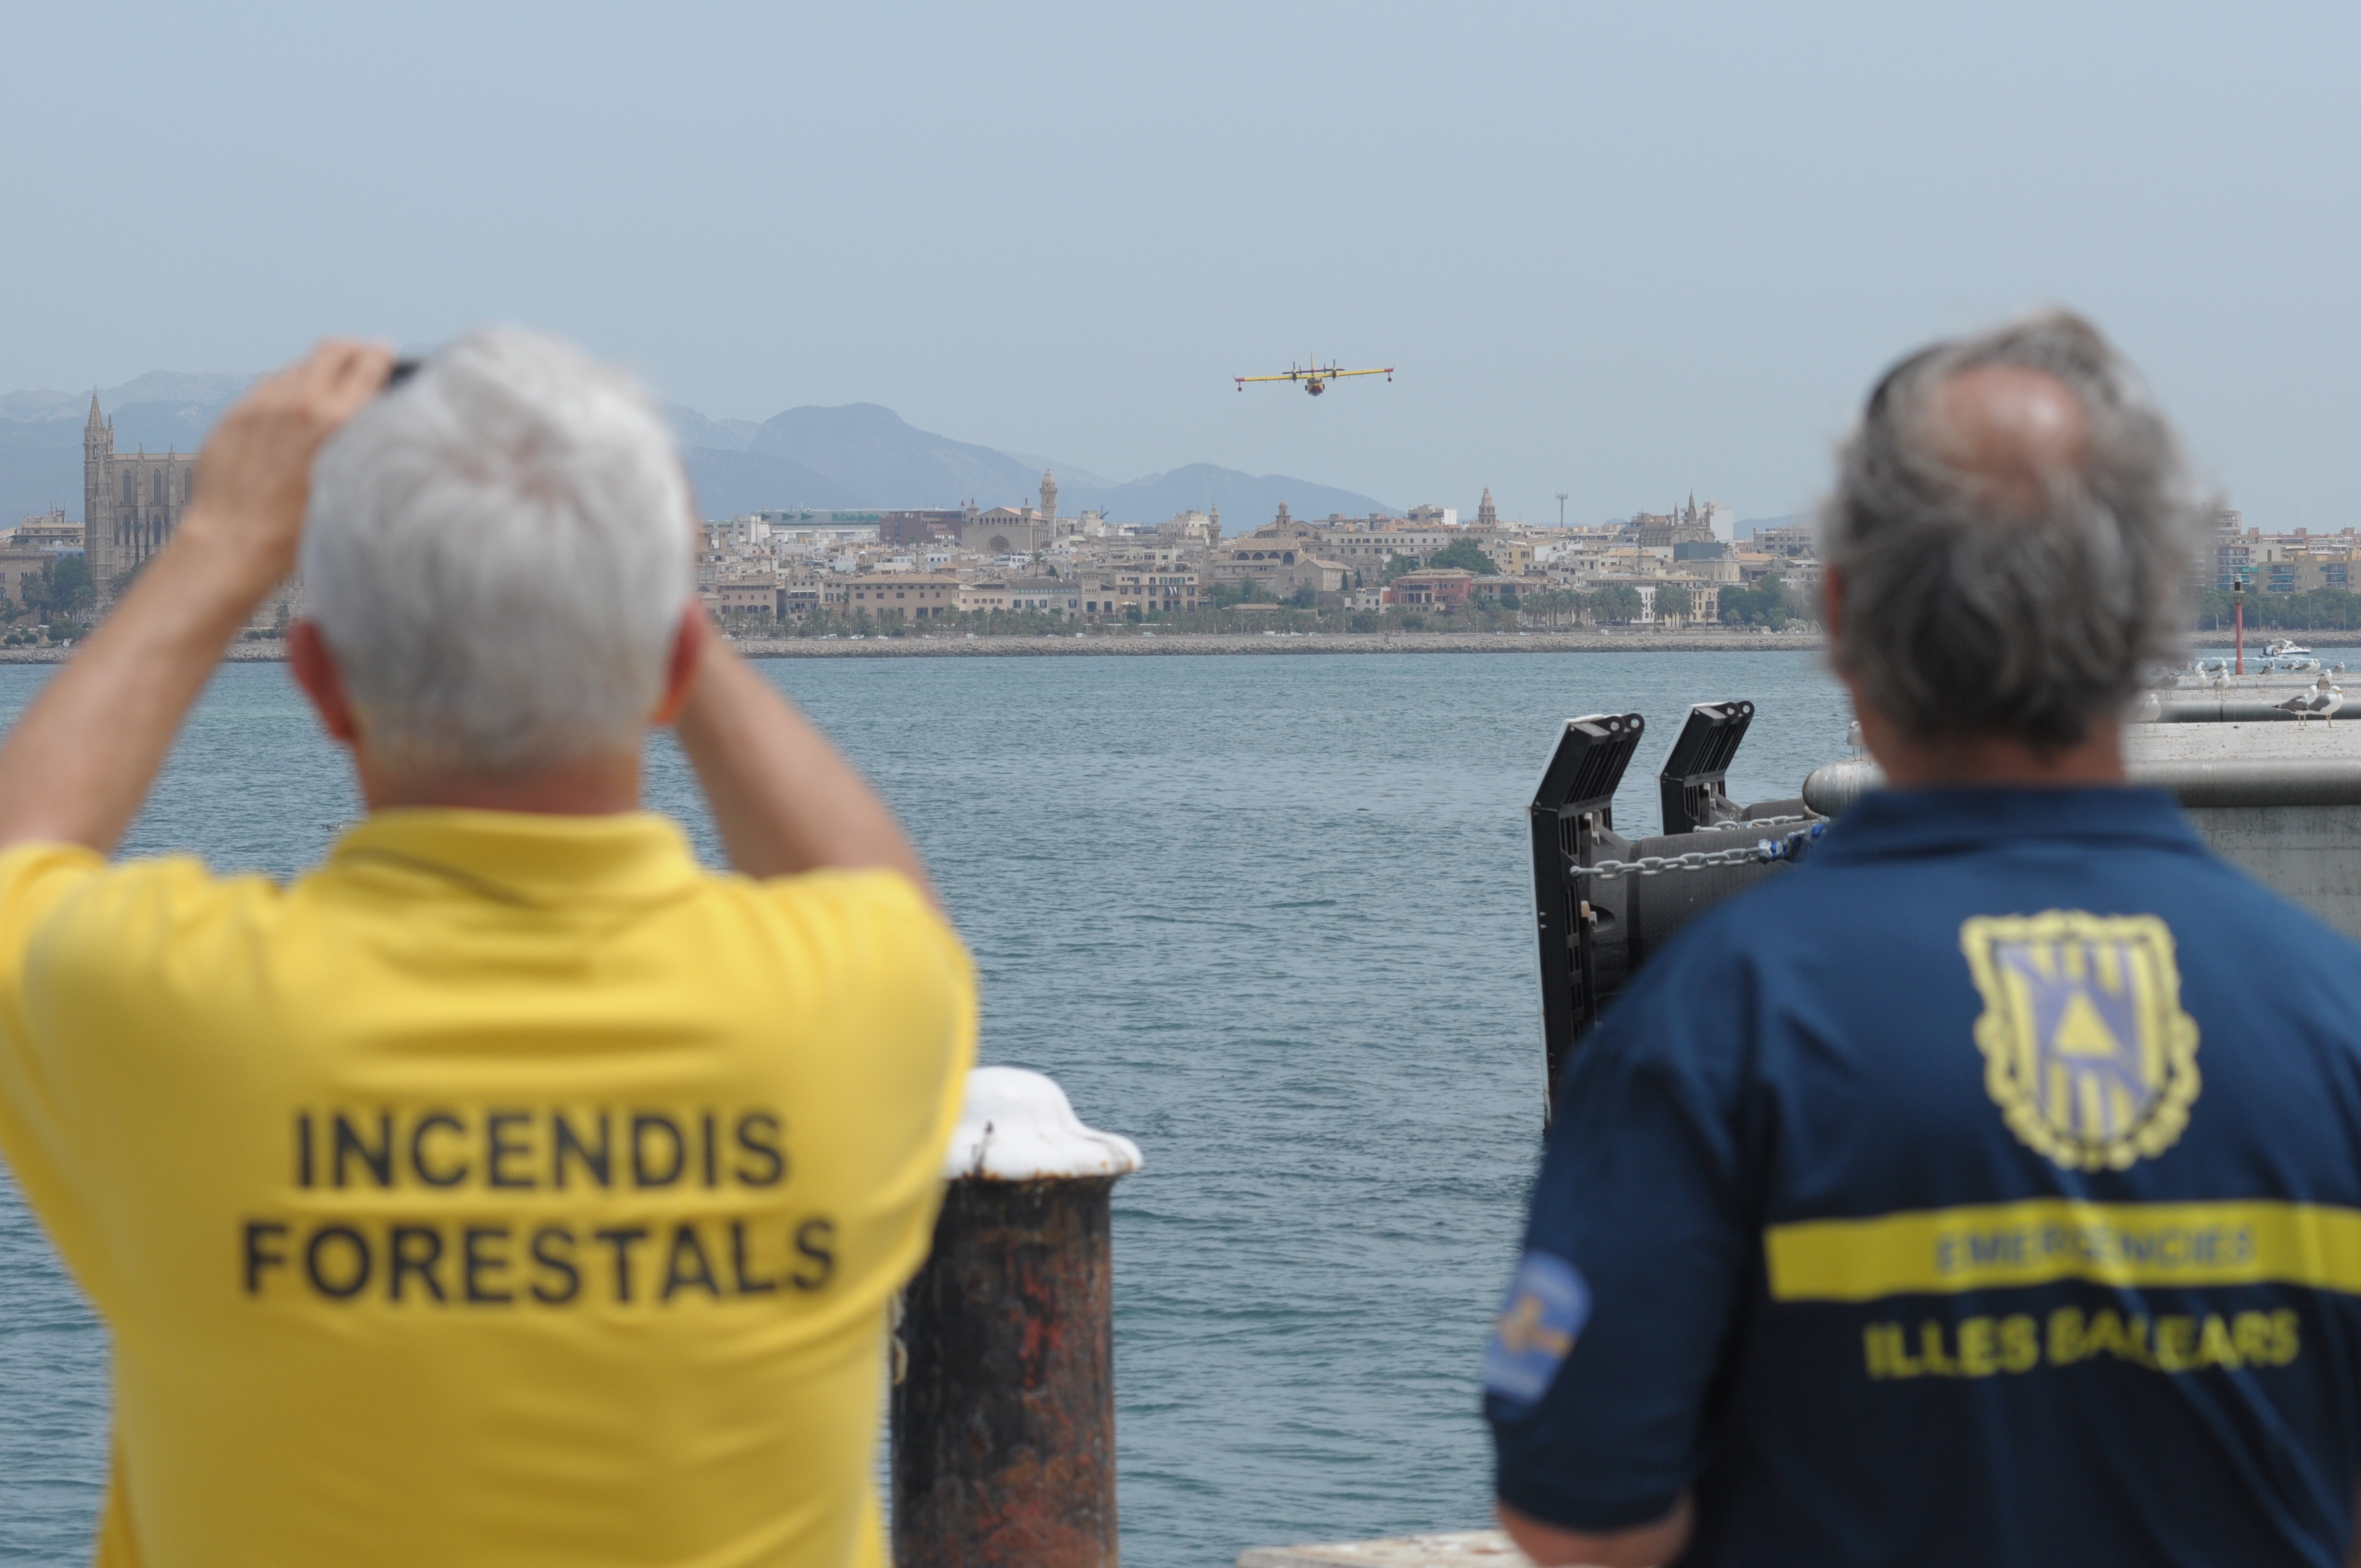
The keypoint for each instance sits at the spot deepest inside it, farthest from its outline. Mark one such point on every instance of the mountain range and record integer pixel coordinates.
(855, 456)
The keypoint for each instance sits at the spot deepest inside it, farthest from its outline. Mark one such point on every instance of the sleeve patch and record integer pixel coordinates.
(1543, 1312)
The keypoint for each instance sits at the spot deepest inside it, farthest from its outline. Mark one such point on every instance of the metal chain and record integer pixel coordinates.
(1699, 860)
(1657, 865)
(1740, 824)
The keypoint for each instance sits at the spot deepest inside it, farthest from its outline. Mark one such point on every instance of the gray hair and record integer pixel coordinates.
(1973, 608)
(498, 552)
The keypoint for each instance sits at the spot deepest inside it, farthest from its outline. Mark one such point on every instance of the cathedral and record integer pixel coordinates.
(1018, 530)
(131, 502)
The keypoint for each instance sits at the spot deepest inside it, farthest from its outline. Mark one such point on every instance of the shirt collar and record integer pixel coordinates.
(528, 858)
(1895, 822)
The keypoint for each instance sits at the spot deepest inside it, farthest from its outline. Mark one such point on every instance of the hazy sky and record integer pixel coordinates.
(1623, 251)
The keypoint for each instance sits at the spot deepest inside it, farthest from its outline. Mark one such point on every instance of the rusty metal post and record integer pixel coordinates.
(1004, 1398)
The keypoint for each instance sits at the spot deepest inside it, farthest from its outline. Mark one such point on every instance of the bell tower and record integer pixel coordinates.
(97, 508)
(1048, 495)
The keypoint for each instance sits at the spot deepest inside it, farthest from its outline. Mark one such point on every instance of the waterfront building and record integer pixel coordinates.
(1170, 589)
(2297, 563)
(1432, 586)
(1504, 589)
(131, 502)
(1705, 596)
(799, 597)
(1025, 596)
(904, 596)
(748, 596)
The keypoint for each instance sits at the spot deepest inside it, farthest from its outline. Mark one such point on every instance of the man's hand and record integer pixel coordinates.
(78, 764)
(1550, 1546)
(254, 477)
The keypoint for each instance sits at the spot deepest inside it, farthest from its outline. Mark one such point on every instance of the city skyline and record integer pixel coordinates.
(167, 411)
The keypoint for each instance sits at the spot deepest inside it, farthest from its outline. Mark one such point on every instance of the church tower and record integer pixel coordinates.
(1486, 515)
(1048, 495)
(97, 447)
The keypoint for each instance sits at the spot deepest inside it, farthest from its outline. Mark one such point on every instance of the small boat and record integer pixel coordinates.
(2285, 649)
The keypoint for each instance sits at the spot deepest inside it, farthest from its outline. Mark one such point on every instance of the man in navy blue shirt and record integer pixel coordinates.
(1988, 1189)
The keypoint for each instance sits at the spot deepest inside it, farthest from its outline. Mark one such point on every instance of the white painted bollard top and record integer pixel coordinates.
(1018, 1125)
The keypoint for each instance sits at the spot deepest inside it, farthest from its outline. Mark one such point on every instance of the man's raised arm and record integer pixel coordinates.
(76, 767)
(783, 797)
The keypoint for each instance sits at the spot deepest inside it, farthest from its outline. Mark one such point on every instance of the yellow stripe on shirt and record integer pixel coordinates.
(1994, 1246)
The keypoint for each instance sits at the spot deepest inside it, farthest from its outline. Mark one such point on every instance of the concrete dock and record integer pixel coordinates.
(2280, 799)
(1461, 1549)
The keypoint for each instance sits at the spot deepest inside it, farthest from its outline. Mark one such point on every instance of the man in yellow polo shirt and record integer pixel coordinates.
(510, 1188)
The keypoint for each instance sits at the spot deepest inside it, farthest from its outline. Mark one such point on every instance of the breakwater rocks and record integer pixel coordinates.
(1130, 643)
(1067, 645)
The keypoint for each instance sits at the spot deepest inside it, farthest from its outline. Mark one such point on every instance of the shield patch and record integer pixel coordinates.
(2086, 1050)
(1543, 1312)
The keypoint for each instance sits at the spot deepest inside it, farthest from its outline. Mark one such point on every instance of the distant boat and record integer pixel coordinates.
(2287, 650)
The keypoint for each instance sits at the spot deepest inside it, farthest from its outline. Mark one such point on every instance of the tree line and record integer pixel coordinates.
(2321, 609)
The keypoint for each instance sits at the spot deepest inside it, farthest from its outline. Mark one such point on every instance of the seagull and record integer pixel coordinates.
(2324, 698)
(2222, 675)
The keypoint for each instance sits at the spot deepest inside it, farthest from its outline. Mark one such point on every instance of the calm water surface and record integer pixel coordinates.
(1269, 916)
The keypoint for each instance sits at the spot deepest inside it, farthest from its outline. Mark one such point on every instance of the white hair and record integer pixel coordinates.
(498, 553)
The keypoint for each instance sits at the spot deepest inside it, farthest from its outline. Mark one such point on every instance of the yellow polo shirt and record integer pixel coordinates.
(508, 1190)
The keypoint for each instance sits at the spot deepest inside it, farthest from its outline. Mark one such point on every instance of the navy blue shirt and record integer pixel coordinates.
(1987, 1190)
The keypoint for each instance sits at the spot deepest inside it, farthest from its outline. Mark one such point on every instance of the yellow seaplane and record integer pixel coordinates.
(1315, 377)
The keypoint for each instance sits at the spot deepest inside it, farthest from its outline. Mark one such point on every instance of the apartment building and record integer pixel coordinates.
(1513, 553)
(1168, 590)
(748, 596)
(1025, 596)
(902, 596)
(1436, 585)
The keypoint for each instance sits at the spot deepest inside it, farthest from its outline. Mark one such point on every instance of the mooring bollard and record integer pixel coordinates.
(1003, 1397)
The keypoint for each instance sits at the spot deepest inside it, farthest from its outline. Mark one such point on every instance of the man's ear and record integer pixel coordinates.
(315, 671)
(688, 648)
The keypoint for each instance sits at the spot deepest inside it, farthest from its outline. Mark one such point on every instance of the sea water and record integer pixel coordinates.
(1272, 917)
